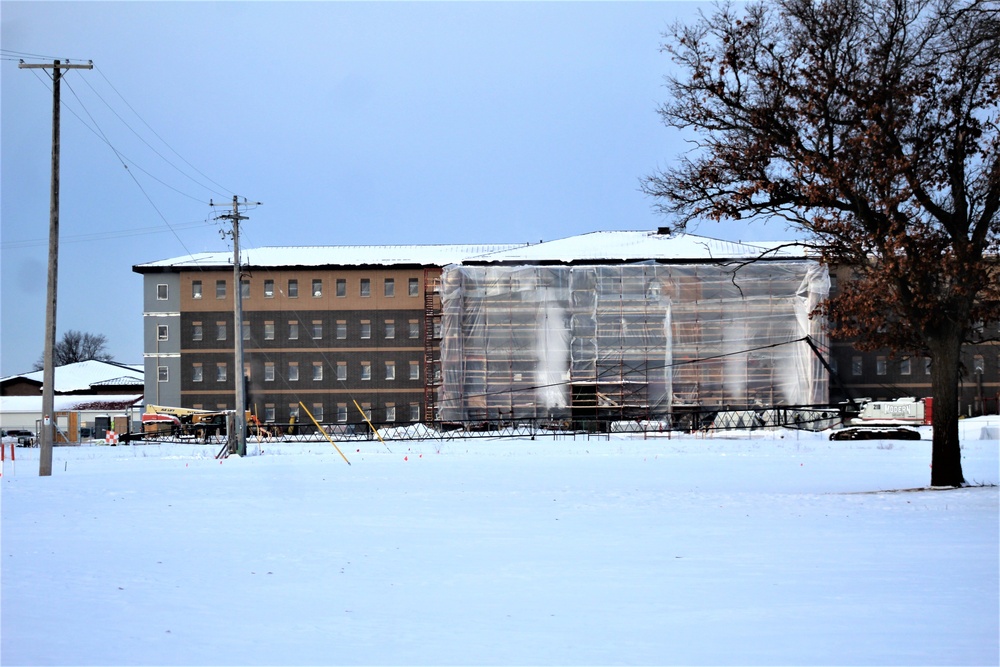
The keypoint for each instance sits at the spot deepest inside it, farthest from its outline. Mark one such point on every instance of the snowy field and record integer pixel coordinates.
(775, 549)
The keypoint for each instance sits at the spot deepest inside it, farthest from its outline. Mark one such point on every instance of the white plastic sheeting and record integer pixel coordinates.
(638, 340)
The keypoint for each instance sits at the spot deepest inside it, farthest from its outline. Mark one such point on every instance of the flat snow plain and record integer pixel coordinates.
(766, 549)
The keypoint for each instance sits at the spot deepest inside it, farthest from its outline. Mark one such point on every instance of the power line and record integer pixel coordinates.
(25, 54)
(121, 156)
(125, 159)
(101, 236)
(223, 191)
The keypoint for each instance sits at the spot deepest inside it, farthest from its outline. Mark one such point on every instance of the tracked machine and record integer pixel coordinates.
(887, 420)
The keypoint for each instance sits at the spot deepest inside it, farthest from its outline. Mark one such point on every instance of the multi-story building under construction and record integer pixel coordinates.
(607, 325)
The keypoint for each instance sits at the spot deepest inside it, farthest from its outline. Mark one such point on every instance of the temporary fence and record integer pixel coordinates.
(690, 421)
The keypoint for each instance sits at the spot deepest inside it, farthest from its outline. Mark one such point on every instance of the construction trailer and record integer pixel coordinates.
(645, 340)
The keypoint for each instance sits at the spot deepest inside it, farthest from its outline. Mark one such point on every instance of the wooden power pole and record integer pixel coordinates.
(240, 426)
(46, 438)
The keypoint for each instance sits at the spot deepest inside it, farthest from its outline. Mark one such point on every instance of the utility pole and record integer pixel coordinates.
(49, 373)
(240, 426)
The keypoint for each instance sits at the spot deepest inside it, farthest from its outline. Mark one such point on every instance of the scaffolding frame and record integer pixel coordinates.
(632, 341)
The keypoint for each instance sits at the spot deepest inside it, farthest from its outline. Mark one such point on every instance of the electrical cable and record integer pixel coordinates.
(101, 236)
(188, 176)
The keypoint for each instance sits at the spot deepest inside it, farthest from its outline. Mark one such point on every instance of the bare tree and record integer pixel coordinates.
(871, 125)
(78, 346)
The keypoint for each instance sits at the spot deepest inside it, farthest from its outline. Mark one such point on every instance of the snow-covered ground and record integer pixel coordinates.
(777, 549)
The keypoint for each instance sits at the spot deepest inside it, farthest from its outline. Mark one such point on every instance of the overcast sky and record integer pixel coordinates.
(353, 123)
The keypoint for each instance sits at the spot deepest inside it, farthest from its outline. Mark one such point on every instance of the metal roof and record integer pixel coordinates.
(343, 255)
(635, 246)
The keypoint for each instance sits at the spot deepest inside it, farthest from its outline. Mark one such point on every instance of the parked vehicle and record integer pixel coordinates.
(19, 437)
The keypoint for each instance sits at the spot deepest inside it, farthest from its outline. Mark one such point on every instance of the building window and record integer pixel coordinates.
(414, 370)
(268, 371)
(293, 330)
(269, 289)
(414, 329)
(413, 287)
(390, 329)
(390, 412)
(437, 328)
(162, 375)
(366, 370)
(367, 409)
(856, 366)
(268, 330)
(293, 412)
(197, 373)
(220, 331)
(390, 370)
(979, 364)
(904, 366)
(317, 370)
(220, 289)
(389, 287)
(246, 331)
(317, 329)
(341, 287)
(162, 331)
(196, 289)
(293, 371)
(880, 366)
(414, 412)
(341, 371)
(244, 289)
(341, 329)
(341, 412)
(293, 288)
(317, 287)
(366, 329)
(161, 292)
(366, 287)
(269, 412)
(317, 412)
(927, 365)
(220, 372)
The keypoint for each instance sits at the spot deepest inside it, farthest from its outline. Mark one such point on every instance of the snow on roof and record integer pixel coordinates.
(86, 374)
(631, 246)
(14, 404)
(344, 255)
(628, 246)
(124, 381)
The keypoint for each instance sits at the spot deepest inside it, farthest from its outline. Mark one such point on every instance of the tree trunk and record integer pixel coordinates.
(946, 453)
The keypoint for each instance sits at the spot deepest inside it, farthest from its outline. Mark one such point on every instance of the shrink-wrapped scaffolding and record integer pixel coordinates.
(634, 341)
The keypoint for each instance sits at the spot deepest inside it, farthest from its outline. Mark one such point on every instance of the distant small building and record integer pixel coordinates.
(90, 397)
(84, 377)
(79, 417)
